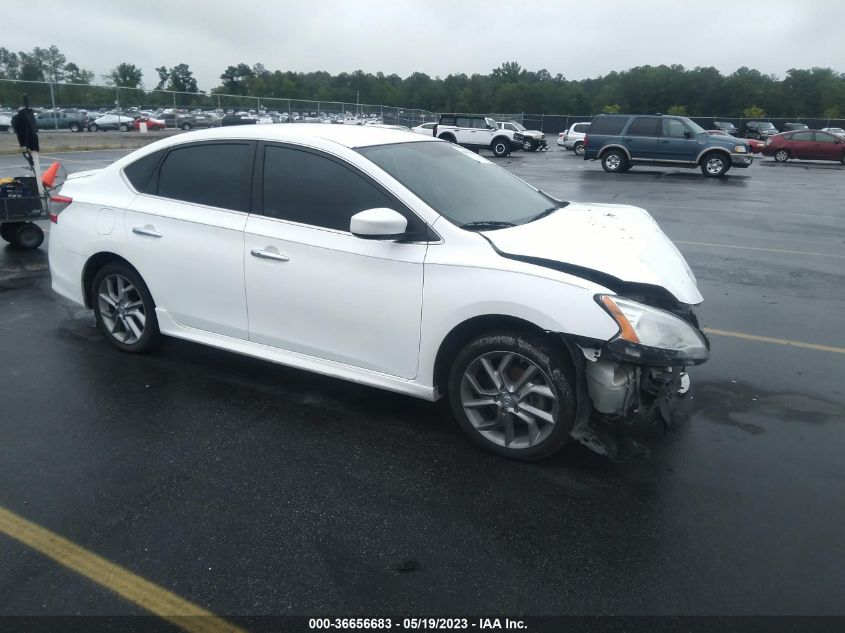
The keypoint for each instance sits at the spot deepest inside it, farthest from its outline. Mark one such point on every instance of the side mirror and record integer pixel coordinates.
(378, 224)
(687, 134)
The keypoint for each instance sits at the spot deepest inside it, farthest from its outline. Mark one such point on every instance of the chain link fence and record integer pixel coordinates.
(98, 100)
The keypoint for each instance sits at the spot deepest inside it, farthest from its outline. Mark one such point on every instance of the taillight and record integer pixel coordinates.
(57, 205)
(586, 140)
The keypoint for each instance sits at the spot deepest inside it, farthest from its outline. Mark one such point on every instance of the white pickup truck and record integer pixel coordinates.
(473, 132)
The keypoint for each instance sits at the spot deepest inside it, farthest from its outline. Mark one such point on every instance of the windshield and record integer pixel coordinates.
(767, 125)
(518, 126)
(460, 185)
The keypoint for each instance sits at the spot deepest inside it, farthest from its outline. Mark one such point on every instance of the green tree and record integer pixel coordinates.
(677, 110)
(10, 64)
(753, 112)
(125, 76)
(613, 108)
(76, 75)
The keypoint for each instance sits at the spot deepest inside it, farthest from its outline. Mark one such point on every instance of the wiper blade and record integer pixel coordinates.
(543, 214)
(487, 224)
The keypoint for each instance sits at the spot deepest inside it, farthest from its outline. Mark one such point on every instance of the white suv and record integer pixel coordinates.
(390, 260)
(474, 132)
(573, 138)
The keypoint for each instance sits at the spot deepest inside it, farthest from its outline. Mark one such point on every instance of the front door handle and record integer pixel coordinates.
(257, 252)
(146, 230)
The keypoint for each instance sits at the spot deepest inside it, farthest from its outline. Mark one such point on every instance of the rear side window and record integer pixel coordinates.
(312, 189)
(464, 121)
(447, 120)
(821, 137)
(581, 127)
(610, 125)
(802, 136)
(644, 126)
(140, 172)
(213, 174)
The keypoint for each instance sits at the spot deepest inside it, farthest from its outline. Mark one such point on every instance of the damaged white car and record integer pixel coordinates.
(392, 260)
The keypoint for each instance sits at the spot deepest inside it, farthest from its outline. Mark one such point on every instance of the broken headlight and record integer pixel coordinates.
(651, 336)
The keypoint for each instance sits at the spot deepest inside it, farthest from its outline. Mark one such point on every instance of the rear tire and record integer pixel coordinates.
(75, 127)
(503, 410)
(27, 236)
(715, 164)
(124, 127)
(781, 156)
(186, 126)
(124, 308)
(614, 161)
(93, 127)
(447, 137)
(578, 149)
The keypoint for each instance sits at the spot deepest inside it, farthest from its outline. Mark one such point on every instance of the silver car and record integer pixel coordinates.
(573, 138)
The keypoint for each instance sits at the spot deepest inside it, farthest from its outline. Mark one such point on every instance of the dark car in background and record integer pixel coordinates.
(794, 127)
(72, 120)
(807, 145)
(760, 129)
(726, 126)
(621, 141)
(188, 121)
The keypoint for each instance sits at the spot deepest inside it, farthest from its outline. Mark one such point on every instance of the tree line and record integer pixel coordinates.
(510, 88)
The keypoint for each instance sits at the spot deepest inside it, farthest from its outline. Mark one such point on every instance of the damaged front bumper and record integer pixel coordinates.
(622, 404)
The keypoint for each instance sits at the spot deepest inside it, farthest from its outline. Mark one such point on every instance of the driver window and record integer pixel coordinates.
(673, 128)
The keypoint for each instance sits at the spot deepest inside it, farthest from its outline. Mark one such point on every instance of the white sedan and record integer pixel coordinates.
(391, 260)
(111, 122)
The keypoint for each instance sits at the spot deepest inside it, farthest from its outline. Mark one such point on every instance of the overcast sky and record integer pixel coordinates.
(577, 38)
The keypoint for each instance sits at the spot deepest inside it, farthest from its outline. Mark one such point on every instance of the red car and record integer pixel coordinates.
(806, 144)
(152, 124)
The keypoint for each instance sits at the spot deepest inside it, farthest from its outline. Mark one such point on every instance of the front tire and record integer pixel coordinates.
(715, 164)
(93, 127)
(124, 127)
(527, 146)
(186, 126)
(75, 127)
(614, 161)
(512, 394)
(124, 308)
(7, 230)
(781, 156)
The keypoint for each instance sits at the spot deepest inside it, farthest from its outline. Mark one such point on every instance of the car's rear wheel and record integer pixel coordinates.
(75, 127)
(614, 161)
(186, 126)
(93, 127)
(512, 394)
(124, 308)
(715, 164)
(579, 149)
(447, 137)
(781, 156)
(124, 127)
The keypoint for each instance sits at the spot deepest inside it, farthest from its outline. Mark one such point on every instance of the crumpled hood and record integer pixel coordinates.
(617, 240)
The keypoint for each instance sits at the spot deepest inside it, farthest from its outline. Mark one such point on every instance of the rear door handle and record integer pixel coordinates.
(257, 252)
(146, 230)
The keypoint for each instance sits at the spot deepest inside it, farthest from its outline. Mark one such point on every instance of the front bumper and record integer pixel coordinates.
(742, 160)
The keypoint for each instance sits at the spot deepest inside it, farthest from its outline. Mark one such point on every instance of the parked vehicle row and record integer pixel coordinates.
(807, 145)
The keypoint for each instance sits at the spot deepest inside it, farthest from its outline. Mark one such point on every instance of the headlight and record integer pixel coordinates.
(651, 336)
(740, 149)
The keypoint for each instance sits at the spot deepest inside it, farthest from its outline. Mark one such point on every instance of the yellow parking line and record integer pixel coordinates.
(132, 587)
(777, 341)
(756, 248)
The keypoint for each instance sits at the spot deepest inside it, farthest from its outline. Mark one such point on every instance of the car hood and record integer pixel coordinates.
(619, 241)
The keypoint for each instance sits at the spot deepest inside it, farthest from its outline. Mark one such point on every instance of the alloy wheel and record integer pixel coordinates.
(715, 165)
(509, 399)
(121, 309)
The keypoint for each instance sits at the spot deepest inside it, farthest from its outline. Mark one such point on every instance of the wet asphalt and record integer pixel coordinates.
(250, 488)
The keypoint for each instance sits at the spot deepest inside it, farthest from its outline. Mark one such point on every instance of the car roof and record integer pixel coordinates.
(351, 136)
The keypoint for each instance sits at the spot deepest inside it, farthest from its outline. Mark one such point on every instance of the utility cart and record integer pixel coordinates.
(20, 207)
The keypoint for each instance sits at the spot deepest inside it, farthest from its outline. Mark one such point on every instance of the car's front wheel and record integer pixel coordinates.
(527, 146)
(781, 156)
(93, 127)
(512, 394)
(500, 147)
(715, 164)
(124, 127)
(186, 126)
(124, 308)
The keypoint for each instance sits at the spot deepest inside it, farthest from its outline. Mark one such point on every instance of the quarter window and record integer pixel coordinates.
(311, 189)
(644, 126)
(821, 137)
(580, 127)
(213, 174)
(610, 125)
